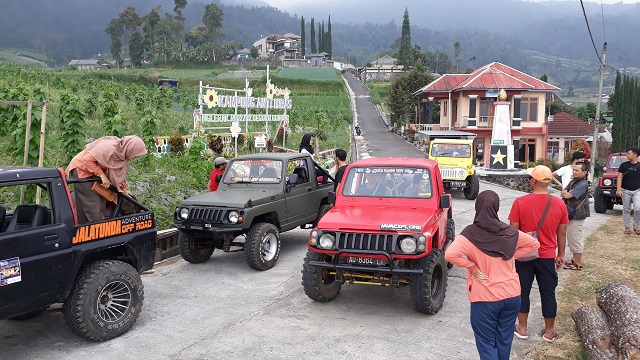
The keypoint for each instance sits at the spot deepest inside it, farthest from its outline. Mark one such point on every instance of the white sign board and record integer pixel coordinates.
(261, 141)
(214, 118)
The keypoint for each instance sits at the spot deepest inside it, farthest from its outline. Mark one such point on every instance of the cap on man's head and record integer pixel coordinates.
(541, 173)
(220, 160)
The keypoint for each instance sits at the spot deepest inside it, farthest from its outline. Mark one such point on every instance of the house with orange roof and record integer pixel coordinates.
(467, 103)
(565, 129)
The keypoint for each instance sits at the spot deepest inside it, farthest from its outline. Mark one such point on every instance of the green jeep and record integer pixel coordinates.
(259, 196)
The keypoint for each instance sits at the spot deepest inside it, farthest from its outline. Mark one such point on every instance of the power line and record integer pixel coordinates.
(589, 30)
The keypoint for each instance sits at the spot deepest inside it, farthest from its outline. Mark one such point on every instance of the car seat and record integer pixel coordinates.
(28, 216)
(302, 175)
(269, 172)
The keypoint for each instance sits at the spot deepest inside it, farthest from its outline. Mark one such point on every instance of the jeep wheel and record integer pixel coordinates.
(318, 283)
(428, 289)
(599, 202)
(193, 251)
(105, 301)
(324, 208)
(451, 234)
(610, 205)
(262, 246)
(473, 187)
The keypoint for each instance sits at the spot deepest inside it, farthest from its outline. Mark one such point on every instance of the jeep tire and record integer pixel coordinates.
(451, 234)
(105, 300)
(262, 246)
(600, 202)
(318, 283)
(428, 289)
(324, 208)
(473, 187)
(192, 250)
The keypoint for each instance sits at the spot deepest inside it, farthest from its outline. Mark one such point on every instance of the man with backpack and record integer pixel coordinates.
(629, 189)
(575, 196)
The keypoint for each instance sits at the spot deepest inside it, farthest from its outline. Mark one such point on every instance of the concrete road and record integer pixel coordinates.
(223, 309)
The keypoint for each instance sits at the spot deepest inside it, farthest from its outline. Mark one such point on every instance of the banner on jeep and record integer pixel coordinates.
(107, 229)
(389, 182)
(10, 271)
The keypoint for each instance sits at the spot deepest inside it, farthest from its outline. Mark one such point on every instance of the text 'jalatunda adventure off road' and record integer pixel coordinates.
(390, 225)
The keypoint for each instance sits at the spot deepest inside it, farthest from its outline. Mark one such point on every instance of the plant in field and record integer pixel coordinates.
(19, 132)
(109, 104)
(71, 124)
(150, 122)
(269, 145)
(215, 143)
(176, 144)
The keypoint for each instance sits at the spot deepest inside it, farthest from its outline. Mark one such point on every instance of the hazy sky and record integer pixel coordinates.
(288, 4)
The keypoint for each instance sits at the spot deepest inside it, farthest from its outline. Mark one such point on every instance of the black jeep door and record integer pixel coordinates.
(35, 252)
(300, 199)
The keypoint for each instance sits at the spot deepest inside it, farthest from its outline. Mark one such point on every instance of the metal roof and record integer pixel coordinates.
(447, 133)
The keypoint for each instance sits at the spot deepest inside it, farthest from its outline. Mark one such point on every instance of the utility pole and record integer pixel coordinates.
(594, 147)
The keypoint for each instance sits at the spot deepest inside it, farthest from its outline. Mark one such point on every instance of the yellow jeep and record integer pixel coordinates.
(455, 160)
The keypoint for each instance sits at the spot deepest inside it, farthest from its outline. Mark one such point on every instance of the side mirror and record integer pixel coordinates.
(604, 168)
(292, 179)
(218, 178)
(331, 197)
(445, 202)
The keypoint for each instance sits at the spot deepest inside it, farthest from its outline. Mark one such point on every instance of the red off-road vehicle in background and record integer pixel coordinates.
(604, 195)
(390, 225)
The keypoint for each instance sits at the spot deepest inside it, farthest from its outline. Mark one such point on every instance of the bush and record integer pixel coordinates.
(176, 144)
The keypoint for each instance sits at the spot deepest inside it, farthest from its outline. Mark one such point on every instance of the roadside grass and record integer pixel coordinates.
(609, 256)
(379, 91)
(321, 74)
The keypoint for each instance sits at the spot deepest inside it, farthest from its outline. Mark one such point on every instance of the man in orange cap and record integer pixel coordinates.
(526, 214)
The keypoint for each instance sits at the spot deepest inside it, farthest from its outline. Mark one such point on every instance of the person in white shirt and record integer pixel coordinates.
(566, 172)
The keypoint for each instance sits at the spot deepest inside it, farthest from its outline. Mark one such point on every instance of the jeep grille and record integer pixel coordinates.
(214, 216)
(374, 242)
(453, 173)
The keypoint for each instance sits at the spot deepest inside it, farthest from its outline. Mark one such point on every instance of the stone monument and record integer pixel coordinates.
(501, 143)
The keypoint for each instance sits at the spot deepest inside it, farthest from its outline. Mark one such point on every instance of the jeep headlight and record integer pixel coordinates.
(326, 241)
(184, 213)
(607, 182)
(233, 216)
(408, 245)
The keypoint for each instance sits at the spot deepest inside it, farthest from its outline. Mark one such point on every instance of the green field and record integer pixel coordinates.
(9, 56)
(315, 74)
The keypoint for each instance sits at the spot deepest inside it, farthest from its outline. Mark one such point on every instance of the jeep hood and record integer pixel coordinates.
(370, 219)
(237, 198)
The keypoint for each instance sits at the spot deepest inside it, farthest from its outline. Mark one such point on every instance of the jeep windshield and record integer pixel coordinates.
(253, 171)
(389, 182)
(616, 160)
(451, 150)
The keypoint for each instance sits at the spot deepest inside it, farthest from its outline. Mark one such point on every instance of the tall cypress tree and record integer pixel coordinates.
(303, 43)
(329, 41)
(314, 49)
(617, 130)
(405, 53)
(321, 37)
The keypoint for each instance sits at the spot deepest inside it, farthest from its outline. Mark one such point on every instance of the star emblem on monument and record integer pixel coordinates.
(498, 157)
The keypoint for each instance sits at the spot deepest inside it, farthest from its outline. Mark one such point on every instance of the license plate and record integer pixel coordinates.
(356, 260)
(458, 183)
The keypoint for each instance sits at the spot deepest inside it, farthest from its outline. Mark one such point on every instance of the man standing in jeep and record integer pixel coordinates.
(628, 189)
(576, 196)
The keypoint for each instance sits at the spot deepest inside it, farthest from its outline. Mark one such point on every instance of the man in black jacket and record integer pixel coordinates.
(576, 196)
(629, 189)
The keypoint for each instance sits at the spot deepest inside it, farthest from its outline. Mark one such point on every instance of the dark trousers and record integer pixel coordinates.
(544, 270)
(492, 324)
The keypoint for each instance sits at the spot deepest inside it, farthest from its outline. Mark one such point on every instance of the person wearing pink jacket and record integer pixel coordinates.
(487, 249)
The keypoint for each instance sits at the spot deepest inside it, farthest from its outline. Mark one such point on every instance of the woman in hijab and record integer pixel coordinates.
(306, 145)
(107, 158)
(487, 249)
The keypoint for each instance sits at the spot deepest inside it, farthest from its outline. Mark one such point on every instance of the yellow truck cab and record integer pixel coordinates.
(455, 160)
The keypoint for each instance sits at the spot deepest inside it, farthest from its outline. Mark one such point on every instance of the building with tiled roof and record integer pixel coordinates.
(563, 130)
(467, 103)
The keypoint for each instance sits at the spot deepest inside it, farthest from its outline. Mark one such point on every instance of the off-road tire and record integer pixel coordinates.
(28, 315)
(260, 252)
(89, 310)
(324, 208)
(428, 289)
(192, 250)
(473, 187)
(451, 234)
(318, 284)
(599, 202)
(610, 205)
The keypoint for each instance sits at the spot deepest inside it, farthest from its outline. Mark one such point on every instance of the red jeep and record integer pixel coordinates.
(604, 195)
(390, 225)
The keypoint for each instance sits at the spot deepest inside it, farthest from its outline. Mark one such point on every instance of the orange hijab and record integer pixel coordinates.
(116, 154)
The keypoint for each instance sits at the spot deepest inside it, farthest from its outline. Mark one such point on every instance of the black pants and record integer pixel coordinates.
(546, 276)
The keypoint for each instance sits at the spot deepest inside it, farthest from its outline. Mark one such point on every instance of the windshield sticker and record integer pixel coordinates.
(10, 271)
(400, 227)
(255, 179)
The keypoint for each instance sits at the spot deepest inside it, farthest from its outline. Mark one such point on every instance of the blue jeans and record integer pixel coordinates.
(493, 326)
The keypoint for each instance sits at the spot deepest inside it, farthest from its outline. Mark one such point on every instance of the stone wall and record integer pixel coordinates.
(515, 182)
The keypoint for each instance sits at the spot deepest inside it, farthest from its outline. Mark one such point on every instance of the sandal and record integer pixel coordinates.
(573, 267)
(518, 335)
(627, 231)
(555, 336)
(637, 231)
(569, 263)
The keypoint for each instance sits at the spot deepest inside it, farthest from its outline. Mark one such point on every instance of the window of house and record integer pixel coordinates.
(529, 109)
(444, 106)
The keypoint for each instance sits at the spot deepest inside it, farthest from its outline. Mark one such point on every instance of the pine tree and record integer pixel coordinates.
(405, 53)
(321, 37)
(303, 43)
(617, 131)
(314, 49)
(329, 41)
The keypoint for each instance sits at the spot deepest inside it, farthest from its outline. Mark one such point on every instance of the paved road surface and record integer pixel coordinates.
(222, 309)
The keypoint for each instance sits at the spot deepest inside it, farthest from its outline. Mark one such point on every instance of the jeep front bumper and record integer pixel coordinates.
(341, 255)
(206, 226)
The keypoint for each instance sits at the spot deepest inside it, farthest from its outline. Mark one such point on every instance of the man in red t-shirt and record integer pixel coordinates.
(525, 215)
(220, 164)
